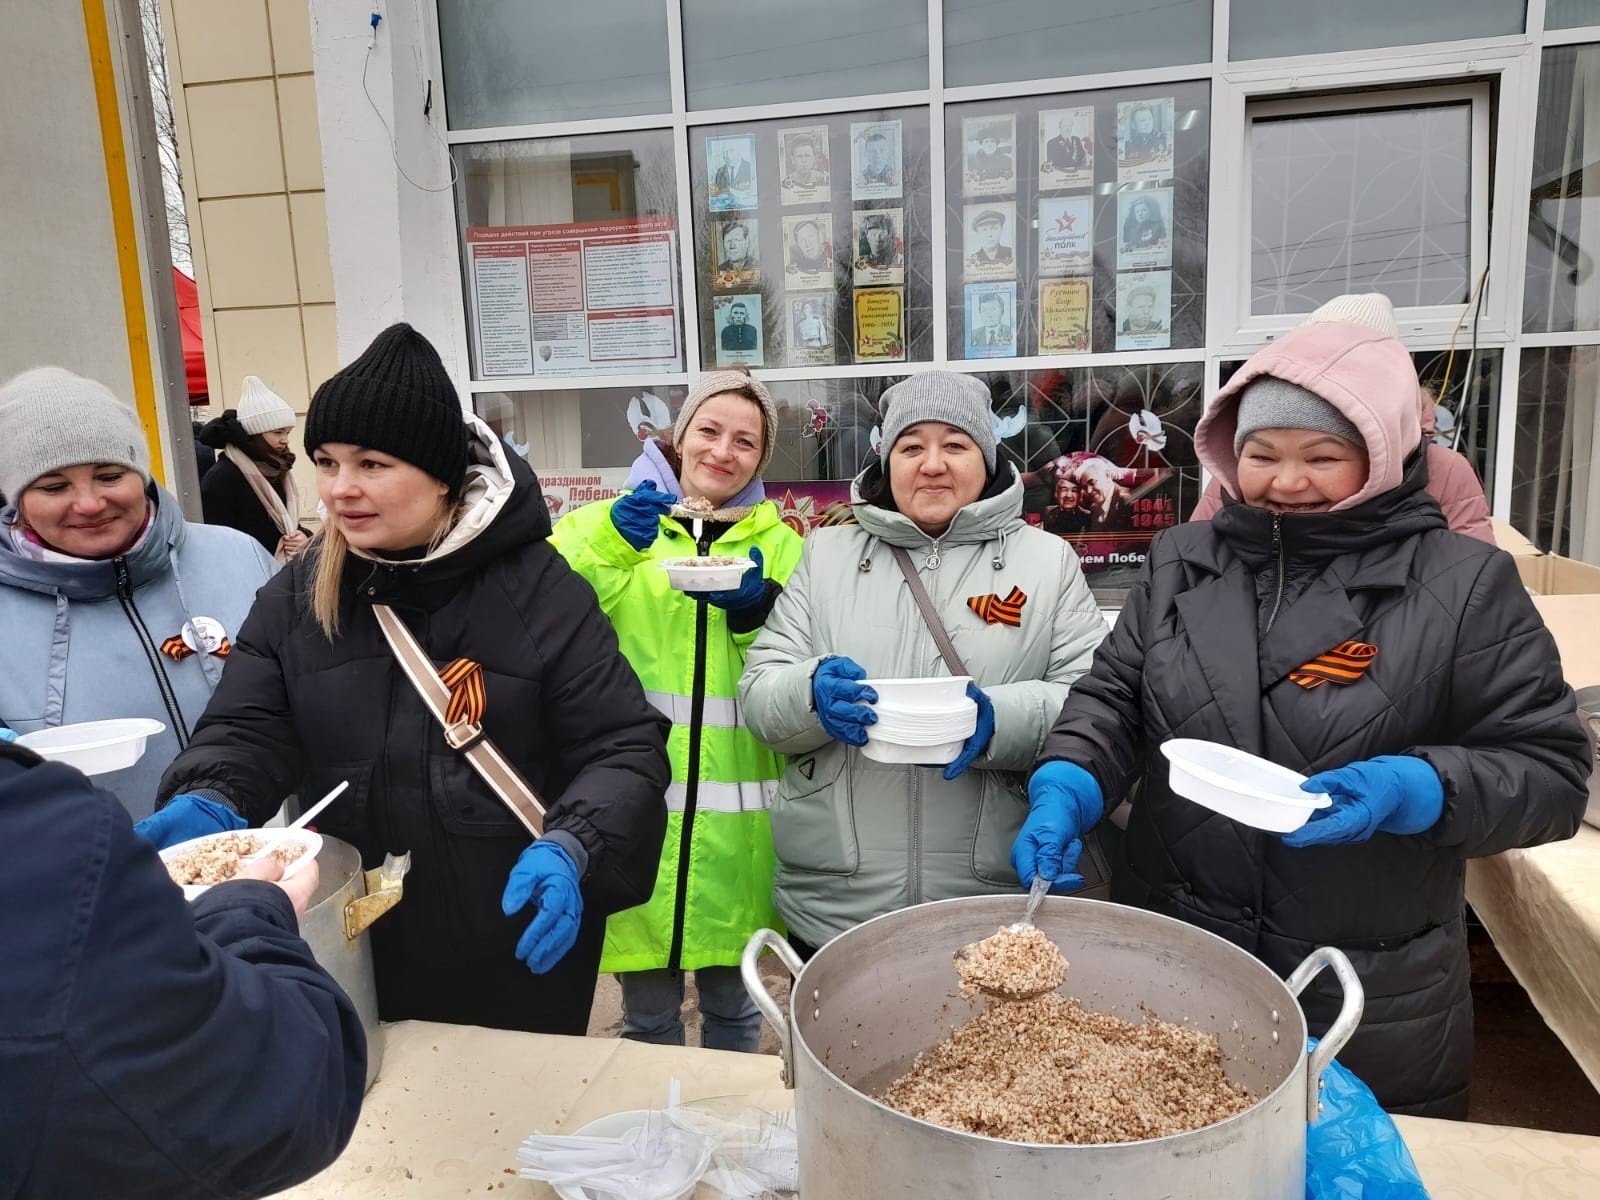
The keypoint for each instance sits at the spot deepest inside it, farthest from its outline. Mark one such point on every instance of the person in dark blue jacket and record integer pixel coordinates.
(149, 1047)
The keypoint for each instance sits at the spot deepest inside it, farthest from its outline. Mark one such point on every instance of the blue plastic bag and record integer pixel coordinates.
(1354, 1150)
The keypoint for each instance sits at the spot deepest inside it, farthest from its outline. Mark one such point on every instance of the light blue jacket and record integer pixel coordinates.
(78, 645)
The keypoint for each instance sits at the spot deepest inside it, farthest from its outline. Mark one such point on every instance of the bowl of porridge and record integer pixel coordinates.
(201, 863)
(714, 573)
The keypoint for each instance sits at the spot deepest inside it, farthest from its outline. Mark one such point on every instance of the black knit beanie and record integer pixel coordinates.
(395, 398)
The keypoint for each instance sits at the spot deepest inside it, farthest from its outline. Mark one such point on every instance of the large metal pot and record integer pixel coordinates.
(347, 901)
(873, 998)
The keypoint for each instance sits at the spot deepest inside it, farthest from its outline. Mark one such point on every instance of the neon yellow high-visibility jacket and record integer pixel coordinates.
(714, 886)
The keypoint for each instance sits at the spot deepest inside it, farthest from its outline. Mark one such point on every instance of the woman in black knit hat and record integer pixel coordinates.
(428, 515)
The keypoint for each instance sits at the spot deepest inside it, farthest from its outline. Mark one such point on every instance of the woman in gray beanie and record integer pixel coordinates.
(1022, 620)
(714, 883)
(112, 604)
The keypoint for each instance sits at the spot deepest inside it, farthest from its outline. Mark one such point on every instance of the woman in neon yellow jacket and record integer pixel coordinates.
(714, 886)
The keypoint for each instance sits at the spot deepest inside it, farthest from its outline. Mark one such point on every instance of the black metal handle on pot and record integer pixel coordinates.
(1355, 1002)
(750, 972)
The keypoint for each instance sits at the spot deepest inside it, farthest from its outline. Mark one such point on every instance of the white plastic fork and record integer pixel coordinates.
(304, 820)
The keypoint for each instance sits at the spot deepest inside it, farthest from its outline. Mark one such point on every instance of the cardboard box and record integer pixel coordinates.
(1512, 542)
(1568, 597)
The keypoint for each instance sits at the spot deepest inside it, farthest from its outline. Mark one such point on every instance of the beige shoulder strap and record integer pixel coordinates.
(503, 779)
(941, 636)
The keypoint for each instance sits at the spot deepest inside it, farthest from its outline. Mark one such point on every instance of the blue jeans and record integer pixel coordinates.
(652, 1009)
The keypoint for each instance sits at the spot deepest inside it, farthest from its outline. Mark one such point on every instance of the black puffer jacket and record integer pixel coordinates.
(296, 712)
(1466, 677)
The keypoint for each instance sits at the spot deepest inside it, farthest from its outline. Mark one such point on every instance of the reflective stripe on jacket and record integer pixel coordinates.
(714, 886)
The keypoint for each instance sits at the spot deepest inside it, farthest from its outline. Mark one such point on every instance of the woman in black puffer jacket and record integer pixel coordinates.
(1328, 620)
(249, 487)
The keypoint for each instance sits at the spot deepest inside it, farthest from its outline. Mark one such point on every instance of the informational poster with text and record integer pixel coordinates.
(564, 301)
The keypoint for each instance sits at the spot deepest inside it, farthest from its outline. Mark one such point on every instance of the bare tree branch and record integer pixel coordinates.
(166, 134)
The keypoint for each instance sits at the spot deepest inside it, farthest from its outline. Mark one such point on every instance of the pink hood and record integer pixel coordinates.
(1365, 374)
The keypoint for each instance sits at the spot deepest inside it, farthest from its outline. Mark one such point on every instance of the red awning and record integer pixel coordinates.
(194, 352)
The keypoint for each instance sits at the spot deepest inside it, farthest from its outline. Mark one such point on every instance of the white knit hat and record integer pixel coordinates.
(1371, 310)
(261, 410)
(51, 418)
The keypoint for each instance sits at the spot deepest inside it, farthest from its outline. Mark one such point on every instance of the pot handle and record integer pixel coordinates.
(385, 886)
(767, 939)
(1344, 1025)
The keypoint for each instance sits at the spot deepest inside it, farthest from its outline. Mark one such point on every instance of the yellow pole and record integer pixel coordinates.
(103, 69)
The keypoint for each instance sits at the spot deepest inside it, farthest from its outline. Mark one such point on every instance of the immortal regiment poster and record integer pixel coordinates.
(810, 341)
(1144, 140)
(875, 160)
(989, 166)
(803, 165)
(736, 253)
(879, 239)
(880, 324)
(1066, 235)
(1066, 148)
(738, 327)
(731, 172)
(1144, 310)
(991, 327)
(808, 251)
(1065, 316)
(587, 298)
(990, 240)
(1110, 513)
(1144, 228)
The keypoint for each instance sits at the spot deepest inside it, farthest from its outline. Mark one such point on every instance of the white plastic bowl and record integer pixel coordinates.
(94, 747)
(893, 752)
(615, 1125)
(936, 692)
(309, 838)
(1240, 786)
(922, 731)
(687, 576)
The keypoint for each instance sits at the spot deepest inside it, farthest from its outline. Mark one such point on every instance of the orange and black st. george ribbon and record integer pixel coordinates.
(177, 650)
(1342, 665)
(468, 700)
(997, 611)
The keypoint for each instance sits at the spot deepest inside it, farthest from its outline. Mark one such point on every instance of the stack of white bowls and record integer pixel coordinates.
(920, 720)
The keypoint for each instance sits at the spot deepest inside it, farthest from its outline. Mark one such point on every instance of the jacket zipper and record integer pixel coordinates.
(1277, 550)
(916, 836)
(691, 790)
(168, 697)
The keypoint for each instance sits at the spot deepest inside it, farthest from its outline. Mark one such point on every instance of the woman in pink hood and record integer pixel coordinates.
(1450, 480)
(1329, 621)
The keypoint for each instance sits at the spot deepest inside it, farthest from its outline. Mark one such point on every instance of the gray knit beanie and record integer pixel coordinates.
(714, 383)
(947, 396)
(1271, 403)
(51, 418)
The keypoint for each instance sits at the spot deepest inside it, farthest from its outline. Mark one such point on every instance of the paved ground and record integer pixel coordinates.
(1523, 1075)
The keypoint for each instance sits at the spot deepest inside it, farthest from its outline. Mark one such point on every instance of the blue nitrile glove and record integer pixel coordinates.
(545, 875)
(7, 734)
(637, 514)
(1392, 794)
(841, 702)
(1064, 802)
(751, 591)
(981, 736)
(186, 818)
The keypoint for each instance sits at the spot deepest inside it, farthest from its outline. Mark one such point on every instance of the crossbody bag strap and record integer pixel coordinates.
(464, 735)
(941, 636)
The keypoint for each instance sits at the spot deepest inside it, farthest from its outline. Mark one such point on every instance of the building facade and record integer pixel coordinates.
(1100, 209)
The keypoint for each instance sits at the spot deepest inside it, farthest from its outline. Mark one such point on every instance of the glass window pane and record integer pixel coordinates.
(739, 54)
(569, 255)
(1361, 202)
(1060, 244)
(1563, 283)
(1555, 490)
(1275, 29)
(986, 42)
(508, 62)
(812, 240)
(1571, 14)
